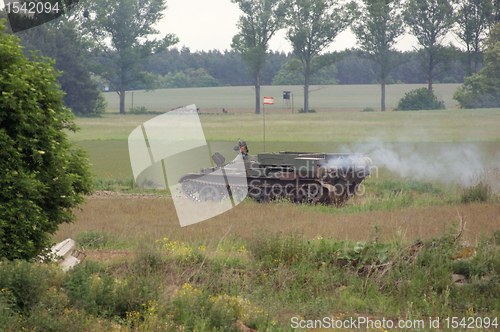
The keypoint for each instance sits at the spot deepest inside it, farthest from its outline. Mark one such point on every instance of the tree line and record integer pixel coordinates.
(110, 42)
(228, 69)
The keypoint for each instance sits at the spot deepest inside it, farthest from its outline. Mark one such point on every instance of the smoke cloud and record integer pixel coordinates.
(461, 163)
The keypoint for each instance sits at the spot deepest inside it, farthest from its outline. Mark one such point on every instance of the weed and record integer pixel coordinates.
(138, 110)
(92, 239)
(481, 192)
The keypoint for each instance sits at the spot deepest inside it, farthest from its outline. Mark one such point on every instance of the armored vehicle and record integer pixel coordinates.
(302, 177)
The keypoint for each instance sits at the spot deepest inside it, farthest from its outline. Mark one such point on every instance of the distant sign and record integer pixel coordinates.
(268, 101)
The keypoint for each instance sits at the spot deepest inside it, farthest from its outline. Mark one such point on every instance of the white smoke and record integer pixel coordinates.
(443, 162)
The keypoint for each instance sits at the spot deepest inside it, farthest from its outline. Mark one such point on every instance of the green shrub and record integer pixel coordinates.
(367, 109)
(92, 239)
(481, 192)
(449, 79)
(43, 176)
(138, 110)
(419, 100)
(311, 110)
(25, 283)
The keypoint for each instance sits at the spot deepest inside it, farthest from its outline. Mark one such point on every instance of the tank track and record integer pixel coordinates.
(200, 191)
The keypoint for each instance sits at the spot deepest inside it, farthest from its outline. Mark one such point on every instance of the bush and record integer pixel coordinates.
(42, 176)
(483, 89)
(478, 193)
(449, 79)
(301, 110)
(367, 109)
(138, 110)
(419, 100)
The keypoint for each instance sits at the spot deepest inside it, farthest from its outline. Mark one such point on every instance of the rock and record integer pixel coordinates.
(66, 249)
(458, 279)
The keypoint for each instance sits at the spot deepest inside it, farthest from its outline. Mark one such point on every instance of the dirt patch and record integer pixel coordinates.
(114, 194)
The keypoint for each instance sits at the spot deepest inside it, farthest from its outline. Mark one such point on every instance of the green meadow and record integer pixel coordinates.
(335, 126)
(237, 97)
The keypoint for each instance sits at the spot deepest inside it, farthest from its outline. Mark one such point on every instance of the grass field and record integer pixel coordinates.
(243, 97)
(392, 253)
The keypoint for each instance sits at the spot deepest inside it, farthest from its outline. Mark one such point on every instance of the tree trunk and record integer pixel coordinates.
(382, 101)
(257, 93)
(429, 77)
(469, 59)
(122, 99)
(306, 89)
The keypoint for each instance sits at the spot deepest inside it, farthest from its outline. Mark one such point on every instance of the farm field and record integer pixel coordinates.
(240, 98)
(390, 253)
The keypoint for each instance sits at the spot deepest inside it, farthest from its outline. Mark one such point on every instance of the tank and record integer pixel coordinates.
(301, 177)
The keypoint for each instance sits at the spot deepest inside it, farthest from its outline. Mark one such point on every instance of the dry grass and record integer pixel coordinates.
(136, 222)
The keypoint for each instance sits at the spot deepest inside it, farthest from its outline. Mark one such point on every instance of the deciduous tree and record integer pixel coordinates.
(377, 26)
(119, 30)
(429, 21)
(261, 20)
(473, 21)
(312, 25)
(483, 89)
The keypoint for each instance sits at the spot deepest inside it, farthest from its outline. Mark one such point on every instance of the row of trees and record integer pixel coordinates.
(228, 68)
(313, 25)
(112, 39)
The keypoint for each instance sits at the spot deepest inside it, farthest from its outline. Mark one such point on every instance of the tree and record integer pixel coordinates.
(288, 76)
(313, 25)
(483, 89)
(61, 43)
(473, 19)
(261, 20)
(119, 31)
(430, 21)
(42, 175)
(379, 23)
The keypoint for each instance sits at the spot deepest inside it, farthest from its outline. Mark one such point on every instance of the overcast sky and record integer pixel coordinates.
(211, 24)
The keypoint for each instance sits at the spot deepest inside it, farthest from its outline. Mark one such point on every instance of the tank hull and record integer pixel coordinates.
(295, 176)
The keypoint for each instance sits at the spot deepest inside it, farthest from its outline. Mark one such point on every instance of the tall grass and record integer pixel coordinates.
(260, 282)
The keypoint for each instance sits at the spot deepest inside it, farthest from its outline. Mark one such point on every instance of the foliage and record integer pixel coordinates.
(118, 31)
(92, 239)
(481, 192)
(379, 23)
(473, 18)
(367, 109)
(429, 21)
(292, 275)
(261, 21)
(42, 176)
(62, 43)
(419, 100)
(311, 27)
(312, 110)
(187, 79)
(25, 282)
(138, 110)
(483, 89)
(290, 75)
(277, 249)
